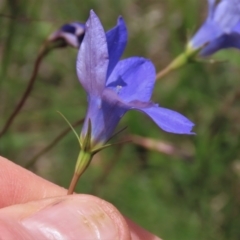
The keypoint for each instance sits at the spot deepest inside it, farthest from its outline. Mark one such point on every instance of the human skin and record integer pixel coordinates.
(34, 208)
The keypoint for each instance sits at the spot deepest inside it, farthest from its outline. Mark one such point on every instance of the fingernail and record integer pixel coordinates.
(72, 218)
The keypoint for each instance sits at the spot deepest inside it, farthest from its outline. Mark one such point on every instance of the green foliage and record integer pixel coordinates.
(168, 195)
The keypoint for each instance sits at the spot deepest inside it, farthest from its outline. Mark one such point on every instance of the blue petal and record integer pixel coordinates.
(104, 114)
(223, 18)
(227, 14)
(133, 79)
(211, 7)
(166, 119)
(225, 41)
(117, 41)
(92, 60)
(208, 32)
(237, 28)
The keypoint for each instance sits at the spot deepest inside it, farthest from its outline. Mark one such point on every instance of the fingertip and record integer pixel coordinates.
(70, 217)
(19, 185)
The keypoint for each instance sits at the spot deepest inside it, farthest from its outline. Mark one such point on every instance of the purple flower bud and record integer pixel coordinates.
(72, 34)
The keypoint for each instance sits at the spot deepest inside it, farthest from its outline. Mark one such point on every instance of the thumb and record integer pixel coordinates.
(69, 217)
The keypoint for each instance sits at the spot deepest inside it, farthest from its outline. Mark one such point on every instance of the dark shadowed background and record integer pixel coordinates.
(195, 195)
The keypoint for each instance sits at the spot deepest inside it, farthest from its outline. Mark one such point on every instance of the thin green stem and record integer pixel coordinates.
(163, 73)
(33, 160)
(69, 124)
(181, 60)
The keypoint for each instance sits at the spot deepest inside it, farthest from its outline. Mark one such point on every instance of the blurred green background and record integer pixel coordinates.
(173, 196)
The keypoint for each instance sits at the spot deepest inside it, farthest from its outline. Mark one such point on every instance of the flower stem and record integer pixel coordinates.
(181, 60)
(73, 183)
(163, 72)
(84, 159)
(43, 51)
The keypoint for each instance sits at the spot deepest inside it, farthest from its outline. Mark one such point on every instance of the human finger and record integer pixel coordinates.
(19, 185)
(69, 217)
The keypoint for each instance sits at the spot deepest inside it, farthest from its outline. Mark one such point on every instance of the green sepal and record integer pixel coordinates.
(69, 124)
(108, 145)
(86, 142)
(83, 161)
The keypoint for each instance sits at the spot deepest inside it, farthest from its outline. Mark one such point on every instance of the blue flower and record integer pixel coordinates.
(71, 34)
(221, 28)
(114, 87)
